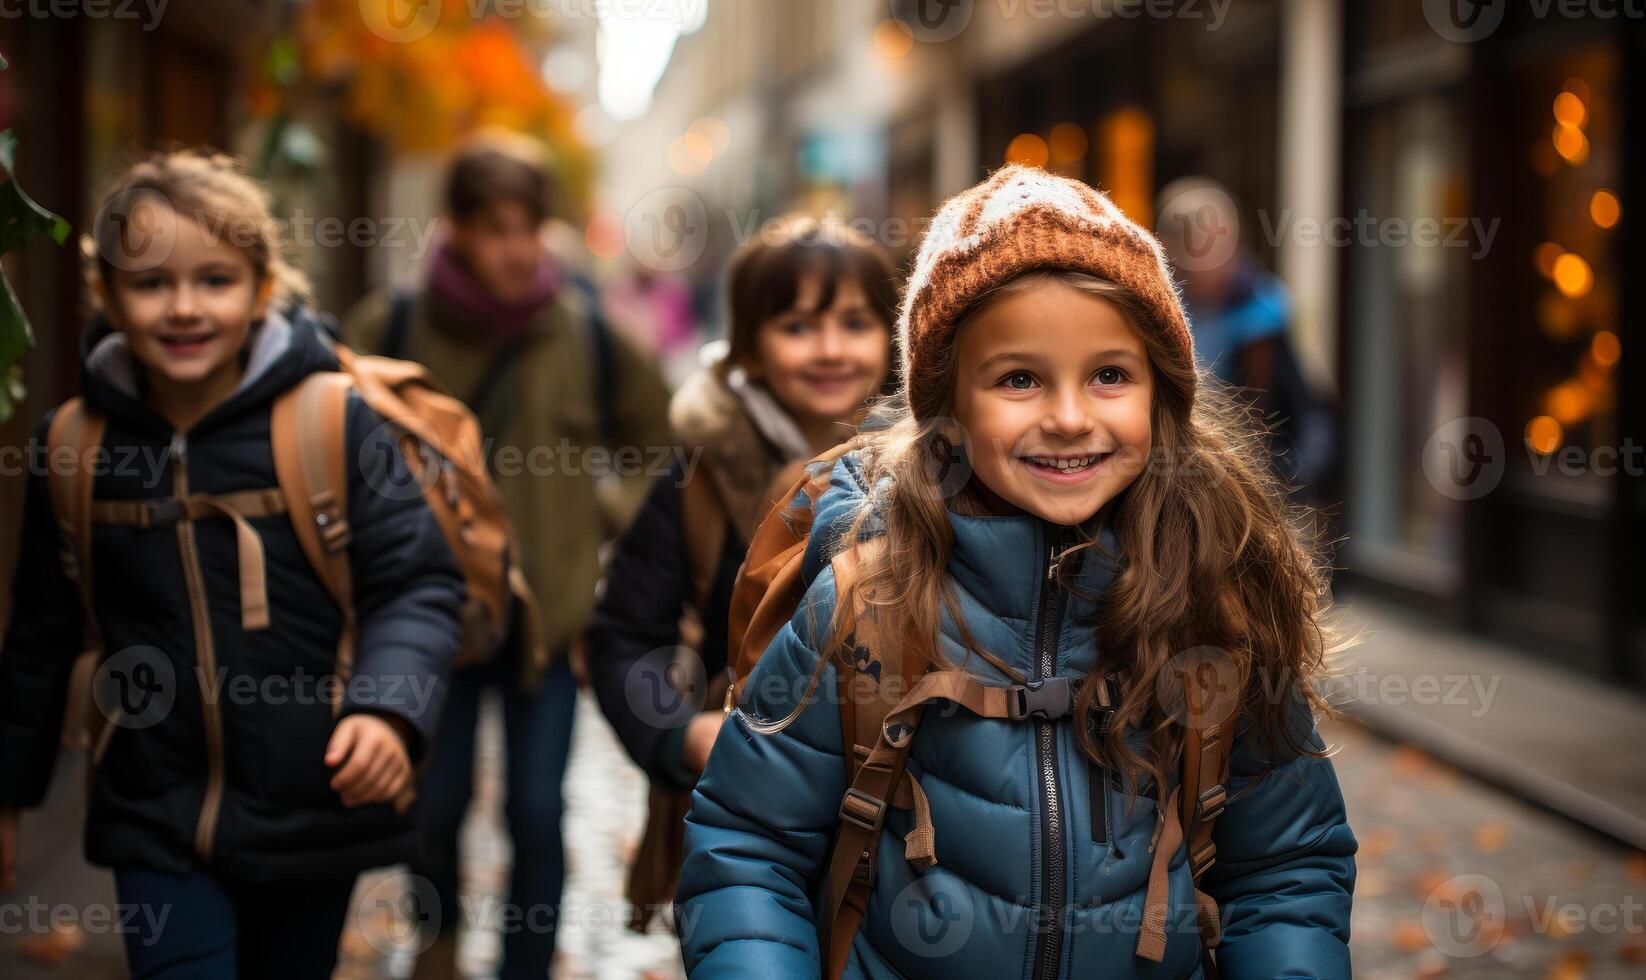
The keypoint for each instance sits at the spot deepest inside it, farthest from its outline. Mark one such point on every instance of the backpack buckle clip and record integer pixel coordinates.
(164, 512)
(1043, 699)
(862, 810)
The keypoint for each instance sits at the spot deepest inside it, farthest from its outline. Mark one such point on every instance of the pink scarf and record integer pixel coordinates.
(473, 304)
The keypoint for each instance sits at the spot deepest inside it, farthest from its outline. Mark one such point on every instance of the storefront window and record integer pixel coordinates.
(1564, 364)
(1406, 359)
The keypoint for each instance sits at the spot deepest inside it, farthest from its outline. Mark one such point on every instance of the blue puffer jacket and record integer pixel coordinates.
(1021, 840)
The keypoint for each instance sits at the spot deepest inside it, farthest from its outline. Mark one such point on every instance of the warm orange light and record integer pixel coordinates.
(1573, 277)
(1028, 149)
(1605, 208)
(1544, 434)
(1570, 110)
(1068, 142)
(604, 237)
(715, 130)
(892, 40)
(1577, 87)
(1571, 144)
(1568, 402)
(1557, 315)
(1605, 348)
(1545, 256)
(690, 153)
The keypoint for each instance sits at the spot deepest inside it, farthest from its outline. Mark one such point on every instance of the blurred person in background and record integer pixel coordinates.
(810, 343)
(1241, 316)
(657, 310)
(514, 329)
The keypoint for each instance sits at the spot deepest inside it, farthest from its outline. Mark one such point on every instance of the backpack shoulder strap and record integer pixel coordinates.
(307, 437)
(397, 333)
(1210, 714)
(603, 357)
(703, 522)
(79, 429)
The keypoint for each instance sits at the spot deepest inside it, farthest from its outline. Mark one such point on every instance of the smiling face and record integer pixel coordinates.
(186, 309)
(823, 364)
(1053, 391)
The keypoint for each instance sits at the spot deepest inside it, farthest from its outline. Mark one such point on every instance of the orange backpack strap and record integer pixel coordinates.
(1211, 697)
(78, 429)
(769, 585)
(306, 435)
(703, 521)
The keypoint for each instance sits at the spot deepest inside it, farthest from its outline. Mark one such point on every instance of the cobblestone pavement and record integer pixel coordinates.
(1456, 880)
(605, 811)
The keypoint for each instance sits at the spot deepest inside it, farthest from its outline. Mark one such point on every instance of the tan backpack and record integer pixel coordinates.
(879, 717)
(441, 443)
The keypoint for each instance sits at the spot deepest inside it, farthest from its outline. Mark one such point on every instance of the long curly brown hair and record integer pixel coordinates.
(1212, 557)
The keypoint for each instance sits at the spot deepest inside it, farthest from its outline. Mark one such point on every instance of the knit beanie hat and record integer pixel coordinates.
(1019, 220)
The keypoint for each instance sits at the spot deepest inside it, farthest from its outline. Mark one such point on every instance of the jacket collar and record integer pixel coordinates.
(282, 350)
(1001, 561)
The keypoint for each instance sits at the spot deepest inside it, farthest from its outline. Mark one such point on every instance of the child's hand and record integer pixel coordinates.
(10, 818)
(700, 735)
(372, 754)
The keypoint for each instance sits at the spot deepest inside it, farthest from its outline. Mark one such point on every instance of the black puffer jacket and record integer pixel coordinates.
(223, 768)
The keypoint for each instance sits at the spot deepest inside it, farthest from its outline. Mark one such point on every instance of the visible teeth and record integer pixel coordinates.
(1064, 464)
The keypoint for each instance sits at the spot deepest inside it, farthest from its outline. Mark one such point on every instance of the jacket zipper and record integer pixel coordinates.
(1051, 811)
(205, 655)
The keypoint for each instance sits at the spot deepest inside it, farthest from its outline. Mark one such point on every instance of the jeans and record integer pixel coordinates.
(537, 729)
(197, 927)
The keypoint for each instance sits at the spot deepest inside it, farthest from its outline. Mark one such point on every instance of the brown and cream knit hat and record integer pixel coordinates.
(1019, 220)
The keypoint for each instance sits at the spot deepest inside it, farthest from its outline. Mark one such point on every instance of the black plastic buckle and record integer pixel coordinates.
(1103, 720)
(1044, 699)
(164, 512)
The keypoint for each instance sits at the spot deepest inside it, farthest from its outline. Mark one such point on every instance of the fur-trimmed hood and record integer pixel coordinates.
(740, 433)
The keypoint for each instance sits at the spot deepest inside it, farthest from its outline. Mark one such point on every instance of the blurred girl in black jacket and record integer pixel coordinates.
(811, 306)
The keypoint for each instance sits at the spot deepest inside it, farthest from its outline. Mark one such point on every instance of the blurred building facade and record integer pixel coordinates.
(1440, 187)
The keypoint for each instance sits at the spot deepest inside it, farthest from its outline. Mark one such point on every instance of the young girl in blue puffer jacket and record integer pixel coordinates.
(1109, 527)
